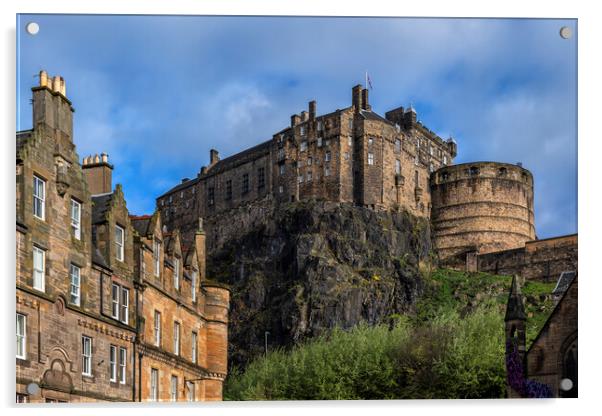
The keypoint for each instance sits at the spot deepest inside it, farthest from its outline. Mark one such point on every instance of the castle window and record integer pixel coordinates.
(190, 390)
(21, 336)
(76, 216)
(397, 166)
(157, 328)
(261, 178)
(370, 158)
(303, 130)
(39, 268)
(86, 355)
(327, 157)
(416, 177)
(351, 123)
(370, 141)
(327, 142)
(162, 202)
(193, 284)
(282, 169)
(397, 146)
(170, 199)
(39, 198)
(280, 189)
(280, 154)
(301, 178)
(119, 242)
(431, 150)
(154, 384)
(431, 167)
(319, 142)
(228, 190)
(115, 301)
(181, 194)
(502, 171)
(309, 161)
(245, 183)
(74, 272)
(211, 196)
(326, 171)
(474, 171)
(125, 304)
(309, 176)
(303, 147)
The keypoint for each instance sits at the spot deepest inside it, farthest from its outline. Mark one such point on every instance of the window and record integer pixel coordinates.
(327, 142)
(350, 141)
(193, 284)
(261, 178)
(397, 167)
(326, 171)
(303, 147)
(113, 363)
(75, 284)
(346, 155)
(370, 141)
(157, 328)
(320, 125)
(371, 158)
(170, 199)
(309, 176)
(86, 355)
(211, 196)
(351, 123)
(228, 190)
(176, 338)
(154, 384)
(181, 194)
(300, 178)
(245, 183)
(125, 303)
(444, 159)
(319, 142)
(119, 240)
(327, 157)
(39, 266)
(174, 388)
(309, 161)
(190, 391)
(21, 336)
(157, 257)
(39, 198)
(123, 353)
(280, 154)
(303, 130)
(431, 150)
(115, 301)
(21, 398)
(282, 169)
(280, 189)
(397, 146)
(194, 346)
(76, 216)
(176, 273)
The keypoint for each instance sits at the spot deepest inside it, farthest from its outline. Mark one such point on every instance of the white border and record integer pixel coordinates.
(589, 156)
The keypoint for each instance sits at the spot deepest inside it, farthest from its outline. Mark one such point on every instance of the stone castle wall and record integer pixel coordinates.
(482, 207)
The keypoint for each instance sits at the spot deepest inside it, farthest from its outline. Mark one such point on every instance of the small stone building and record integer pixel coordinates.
(82, 295)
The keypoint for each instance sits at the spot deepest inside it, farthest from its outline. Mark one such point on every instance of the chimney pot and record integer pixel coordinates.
(56, 84)
(104, 157)
(213, 156)
(43, 79)
(96, 158)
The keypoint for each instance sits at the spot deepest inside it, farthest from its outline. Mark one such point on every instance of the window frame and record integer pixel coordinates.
(173, 388)
(397, 167)
(77, 300)
(371, 158)
(76, 222)
(193, 284)
(190, 391)
(122, 373)
(21, 338)
(245, 183)
(42, 198)
(124, 307)
(154, 379)
(176, 338)
(120, 246)
(157, 257)
(176, 273)
(37, 272)
(194, 346)
(115, 303)
(113, 363)
(86, 358)
(157, 328)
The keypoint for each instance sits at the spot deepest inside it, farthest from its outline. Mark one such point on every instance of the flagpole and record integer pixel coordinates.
(366, 84)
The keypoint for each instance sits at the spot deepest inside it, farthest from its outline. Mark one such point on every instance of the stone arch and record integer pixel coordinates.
(56, 377)
(567, 364)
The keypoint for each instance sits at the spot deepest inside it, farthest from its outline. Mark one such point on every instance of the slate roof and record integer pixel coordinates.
(371, 115)
(240, 158)
(564, 282)
(141, 224)
(100, 205)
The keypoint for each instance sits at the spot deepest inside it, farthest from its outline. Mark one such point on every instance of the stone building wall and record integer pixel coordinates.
(482, 207)
(542, 260)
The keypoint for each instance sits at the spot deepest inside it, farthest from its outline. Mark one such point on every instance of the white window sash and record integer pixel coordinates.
(157, 254)
(113, 363)
(21, 336)
(75, 284)
(39, 266)
(154, 384)
(39, 198)
(122, 365)
(125, 305)
(76, 214)
(176, 338)
(194, 278)
(174, 388)
(115, 301)
(86, 356)
(194, 347)
(119, 242)
(176, 273)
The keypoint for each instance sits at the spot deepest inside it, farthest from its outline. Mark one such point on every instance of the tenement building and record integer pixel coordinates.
(110, 307)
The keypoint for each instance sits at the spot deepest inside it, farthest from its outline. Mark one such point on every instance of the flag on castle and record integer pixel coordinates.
(368, 81)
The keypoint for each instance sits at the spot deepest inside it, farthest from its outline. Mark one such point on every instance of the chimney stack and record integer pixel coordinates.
(295, 119)
(99, 174)
(312, 109)
(304, 116)
(365, 105)
(356, 95)
(213, 157)
(51, 107)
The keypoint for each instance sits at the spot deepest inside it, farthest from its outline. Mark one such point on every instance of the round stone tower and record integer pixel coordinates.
(481, 207)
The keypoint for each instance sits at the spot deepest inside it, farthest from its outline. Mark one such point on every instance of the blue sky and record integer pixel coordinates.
(156, 93)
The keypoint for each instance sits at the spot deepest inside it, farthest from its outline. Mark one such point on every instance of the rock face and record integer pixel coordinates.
(308, 267)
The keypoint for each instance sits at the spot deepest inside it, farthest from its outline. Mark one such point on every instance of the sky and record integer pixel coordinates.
(158, 92)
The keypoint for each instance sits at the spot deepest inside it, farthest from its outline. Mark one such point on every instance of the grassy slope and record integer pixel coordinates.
(452, 347)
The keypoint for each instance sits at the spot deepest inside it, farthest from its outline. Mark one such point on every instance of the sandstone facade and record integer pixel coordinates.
(83, 296)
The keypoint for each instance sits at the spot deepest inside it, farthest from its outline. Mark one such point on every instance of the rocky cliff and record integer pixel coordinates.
(303, 268)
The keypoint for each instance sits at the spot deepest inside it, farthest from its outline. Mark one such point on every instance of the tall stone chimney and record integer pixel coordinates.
(213, 157)
(312, 109)
(51, 108)
(356, 98)
(99, 174)
(365, 105)
(295, 119)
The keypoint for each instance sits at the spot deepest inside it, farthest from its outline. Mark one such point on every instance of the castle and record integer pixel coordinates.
(353, 155)
(109, 306)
